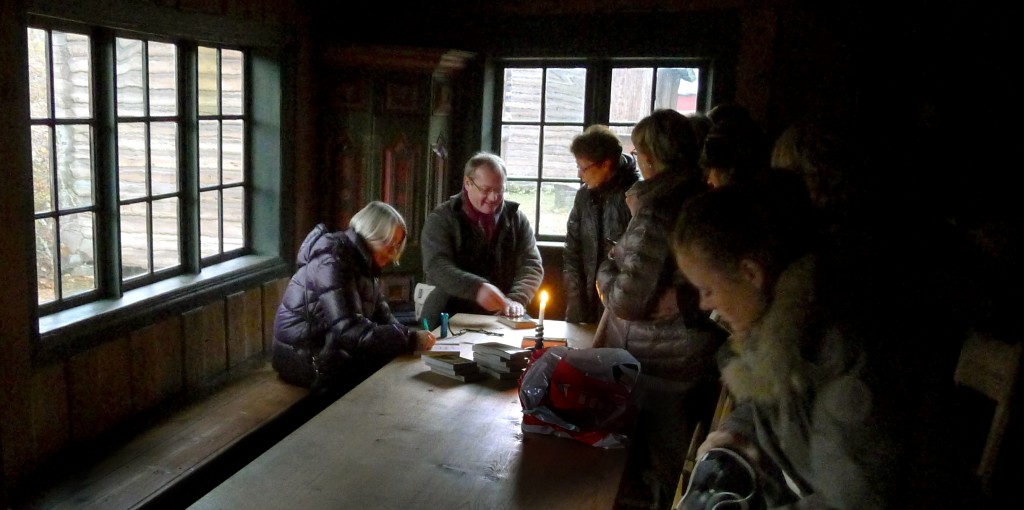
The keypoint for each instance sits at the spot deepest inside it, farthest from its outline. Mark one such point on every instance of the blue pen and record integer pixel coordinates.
(426, 326)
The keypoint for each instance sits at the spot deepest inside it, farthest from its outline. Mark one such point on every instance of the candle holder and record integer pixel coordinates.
(539, 339)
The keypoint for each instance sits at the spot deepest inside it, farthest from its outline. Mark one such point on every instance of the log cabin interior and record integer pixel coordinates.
(297, 113)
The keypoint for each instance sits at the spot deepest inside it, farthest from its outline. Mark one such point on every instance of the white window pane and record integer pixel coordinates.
(559, 162)
(163, 157)
(163, 79)
(520, 148)
(166, 242)
(556, 201)
(234, 218)
(209, 223)
(46, 251)
(521, 99)
(74, 166)
(525, 193)
(131, 159)
(134, 240)
(42, 171)
(71, 76)
(232, 68)
(234, 151)
(209, 153)
(631, 94)
(209, 83)
(77, 251)
(625, 134)
(38, 74)
(130, 78)
(677, 89)
(564, 95)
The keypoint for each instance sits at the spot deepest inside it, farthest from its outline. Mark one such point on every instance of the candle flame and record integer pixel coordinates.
(543, 297)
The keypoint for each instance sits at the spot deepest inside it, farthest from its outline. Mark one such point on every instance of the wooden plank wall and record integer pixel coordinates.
(174, 359)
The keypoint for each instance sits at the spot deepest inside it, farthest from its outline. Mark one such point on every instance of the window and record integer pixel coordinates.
(542, 107)
(161, 192)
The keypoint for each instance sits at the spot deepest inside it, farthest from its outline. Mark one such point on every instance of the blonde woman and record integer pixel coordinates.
(653, 314)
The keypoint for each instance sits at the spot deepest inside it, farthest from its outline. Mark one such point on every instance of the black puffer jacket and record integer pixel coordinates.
(653, 313)
(333, 323)
(597, 215)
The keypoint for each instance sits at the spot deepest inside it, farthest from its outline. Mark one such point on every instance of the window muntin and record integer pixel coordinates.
(145, 233)
(543, 107)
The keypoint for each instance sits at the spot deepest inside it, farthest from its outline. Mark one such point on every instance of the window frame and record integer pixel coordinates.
(82, 322)
(597, 99)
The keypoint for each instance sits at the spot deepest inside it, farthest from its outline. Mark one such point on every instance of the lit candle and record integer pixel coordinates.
(543, 303)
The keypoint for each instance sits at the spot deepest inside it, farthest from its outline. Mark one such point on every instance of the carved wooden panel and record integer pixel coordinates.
(437, 187)
(245, 326)
(349, 163)
(157, 367)
(49, 399)
(272, 292)
(206, 351)
(351, 94)
(398, 186)
(401, 97)
(100, 394)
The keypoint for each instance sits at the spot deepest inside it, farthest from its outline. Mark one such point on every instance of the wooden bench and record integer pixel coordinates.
(180, 457)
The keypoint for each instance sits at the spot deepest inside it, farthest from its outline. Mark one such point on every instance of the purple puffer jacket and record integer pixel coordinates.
(333, 324)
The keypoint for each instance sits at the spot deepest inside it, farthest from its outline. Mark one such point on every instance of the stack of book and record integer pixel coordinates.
(501, 361)
(517, 322)
(450, 364)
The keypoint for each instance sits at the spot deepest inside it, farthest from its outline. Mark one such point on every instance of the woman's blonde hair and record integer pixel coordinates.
(377, 222)
(667, 137)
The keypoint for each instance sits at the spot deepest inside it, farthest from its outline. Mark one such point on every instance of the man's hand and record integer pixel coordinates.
(490, 298)
(513, 308)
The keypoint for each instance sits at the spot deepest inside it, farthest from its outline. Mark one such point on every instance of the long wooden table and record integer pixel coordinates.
(407, 438)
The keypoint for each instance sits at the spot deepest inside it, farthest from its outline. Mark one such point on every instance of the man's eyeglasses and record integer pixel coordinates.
(487, 191)
(585, 168)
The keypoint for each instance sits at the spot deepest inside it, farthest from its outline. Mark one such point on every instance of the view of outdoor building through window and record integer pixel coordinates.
(73, 172)
(221, 151)
(60, 76)
(543, 108)
(147, 156)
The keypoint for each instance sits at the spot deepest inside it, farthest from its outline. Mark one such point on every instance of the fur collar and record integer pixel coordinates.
(767, 362)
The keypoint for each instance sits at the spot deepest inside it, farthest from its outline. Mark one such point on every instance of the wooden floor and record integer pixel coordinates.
(173, 463)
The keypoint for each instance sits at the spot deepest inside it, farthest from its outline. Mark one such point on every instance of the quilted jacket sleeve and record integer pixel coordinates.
(629, 281)
(349, 310)
(572, 266)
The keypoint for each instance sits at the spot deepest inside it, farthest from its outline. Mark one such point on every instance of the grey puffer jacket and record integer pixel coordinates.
(651, 311)
(457, 258)
(333, 323)
(597, 215)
